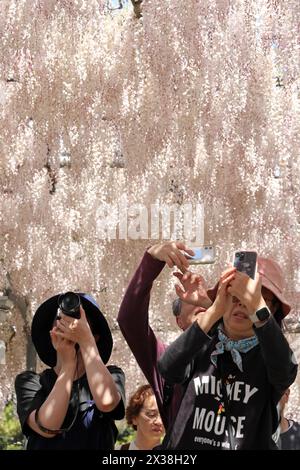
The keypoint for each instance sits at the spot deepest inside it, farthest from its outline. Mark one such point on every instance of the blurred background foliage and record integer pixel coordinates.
(11, 437)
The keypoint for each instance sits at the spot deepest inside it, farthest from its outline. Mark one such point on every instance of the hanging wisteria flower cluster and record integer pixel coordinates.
(194, 102)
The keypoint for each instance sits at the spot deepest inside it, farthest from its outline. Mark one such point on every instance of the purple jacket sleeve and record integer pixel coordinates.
(133, 320)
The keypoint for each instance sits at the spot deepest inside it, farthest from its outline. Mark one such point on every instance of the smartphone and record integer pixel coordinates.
(203, 255)
(245, 262)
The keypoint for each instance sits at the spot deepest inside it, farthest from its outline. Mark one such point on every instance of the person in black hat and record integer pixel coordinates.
(72, 404)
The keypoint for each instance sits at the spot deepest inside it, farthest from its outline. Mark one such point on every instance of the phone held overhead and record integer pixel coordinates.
(245, 262)
(203, 255)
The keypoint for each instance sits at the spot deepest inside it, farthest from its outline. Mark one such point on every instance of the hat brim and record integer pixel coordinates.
(43, 321)
(286, 308)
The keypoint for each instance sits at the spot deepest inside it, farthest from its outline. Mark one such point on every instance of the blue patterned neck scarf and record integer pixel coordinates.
(235, 347)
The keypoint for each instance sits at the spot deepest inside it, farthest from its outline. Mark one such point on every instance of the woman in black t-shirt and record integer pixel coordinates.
(73, 404)
(234, 362)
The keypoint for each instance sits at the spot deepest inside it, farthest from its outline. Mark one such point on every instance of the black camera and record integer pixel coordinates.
(69, 304)
(240, 255)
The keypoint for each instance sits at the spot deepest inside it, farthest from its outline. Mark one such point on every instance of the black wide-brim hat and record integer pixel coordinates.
(43, 320)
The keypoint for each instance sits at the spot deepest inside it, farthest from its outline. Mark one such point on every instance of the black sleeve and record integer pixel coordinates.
(119, 379)
(176, 362)
(30, 396)
(278, 357)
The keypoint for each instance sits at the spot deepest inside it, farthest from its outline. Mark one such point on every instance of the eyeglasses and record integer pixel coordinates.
(150, 414)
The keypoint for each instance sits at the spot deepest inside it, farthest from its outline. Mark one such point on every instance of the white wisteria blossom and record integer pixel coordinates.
(194, 101)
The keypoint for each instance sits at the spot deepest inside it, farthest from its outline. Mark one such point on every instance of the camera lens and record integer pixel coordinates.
(69, 304)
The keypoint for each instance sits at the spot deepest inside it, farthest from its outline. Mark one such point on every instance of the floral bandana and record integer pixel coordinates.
(235, 347)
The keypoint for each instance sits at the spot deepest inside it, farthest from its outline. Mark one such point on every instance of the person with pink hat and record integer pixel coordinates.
(234, 362)
(272, 282)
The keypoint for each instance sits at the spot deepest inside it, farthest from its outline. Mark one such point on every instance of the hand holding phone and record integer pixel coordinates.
(203, 255)
(245, 262)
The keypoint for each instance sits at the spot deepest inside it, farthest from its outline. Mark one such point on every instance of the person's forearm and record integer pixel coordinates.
(278, 357)
(102, 385)
(207, 320)
(133, 313)
(174, 364)
(53, 411)
(133, 317)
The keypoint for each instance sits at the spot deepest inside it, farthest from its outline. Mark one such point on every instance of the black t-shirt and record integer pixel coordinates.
(202, 421)
(248, 399)
(290, 440)
(92, 429)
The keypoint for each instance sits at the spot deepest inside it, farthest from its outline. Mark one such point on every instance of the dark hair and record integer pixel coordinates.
(136, 403)
(176, 307)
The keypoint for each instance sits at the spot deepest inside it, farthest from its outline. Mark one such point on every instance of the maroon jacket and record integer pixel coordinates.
(133, 320)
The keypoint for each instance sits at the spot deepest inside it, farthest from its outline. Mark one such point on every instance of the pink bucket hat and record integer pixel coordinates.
(272, 279)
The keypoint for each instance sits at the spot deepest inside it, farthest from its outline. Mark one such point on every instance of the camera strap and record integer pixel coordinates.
(61, 430)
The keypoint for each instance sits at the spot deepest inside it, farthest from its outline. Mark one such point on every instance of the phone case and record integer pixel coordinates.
(203, 255)
(245, 262)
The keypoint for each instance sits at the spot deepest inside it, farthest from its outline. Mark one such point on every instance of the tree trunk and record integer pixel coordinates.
(23, 305)
(30, 354)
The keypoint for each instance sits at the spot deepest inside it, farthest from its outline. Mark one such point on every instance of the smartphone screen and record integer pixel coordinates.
(203, 255)
(245, 262)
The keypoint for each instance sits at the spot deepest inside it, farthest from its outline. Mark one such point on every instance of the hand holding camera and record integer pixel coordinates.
(72, 324)
(64, 347)
(76, 330)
